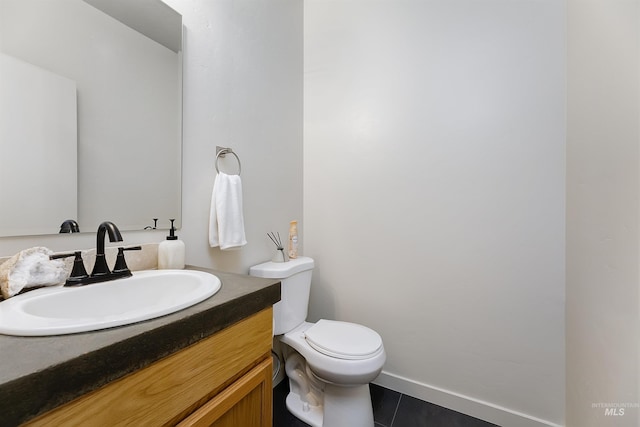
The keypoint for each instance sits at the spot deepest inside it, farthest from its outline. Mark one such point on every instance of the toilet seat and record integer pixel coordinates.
(333, 369)
(343, 340)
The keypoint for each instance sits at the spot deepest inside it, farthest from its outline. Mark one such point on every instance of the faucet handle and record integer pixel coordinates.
(78, 273)
(121, 263)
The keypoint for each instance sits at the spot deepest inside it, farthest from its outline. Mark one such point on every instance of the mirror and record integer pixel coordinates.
(123, 58)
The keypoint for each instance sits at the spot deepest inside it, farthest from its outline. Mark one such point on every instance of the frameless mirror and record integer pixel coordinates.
(109, 136)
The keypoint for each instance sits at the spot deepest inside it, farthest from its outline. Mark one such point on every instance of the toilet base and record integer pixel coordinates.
(311, 415)
(343, 407)
(325, 404)
(347, 406)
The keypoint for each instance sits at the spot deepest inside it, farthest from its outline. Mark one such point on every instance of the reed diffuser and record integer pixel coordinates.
(279, 255)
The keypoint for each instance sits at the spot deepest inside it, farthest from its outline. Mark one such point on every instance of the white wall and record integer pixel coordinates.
(602, 212)
(242, 89)
(434, 164)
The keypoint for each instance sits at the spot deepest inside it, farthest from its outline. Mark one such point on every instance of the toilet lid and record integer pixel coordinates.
(343, 340)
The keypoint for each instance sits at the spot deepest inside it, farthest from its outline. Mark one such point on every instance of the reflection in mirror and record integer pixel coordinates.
(37, 129)
(69, 226)
(128, 111)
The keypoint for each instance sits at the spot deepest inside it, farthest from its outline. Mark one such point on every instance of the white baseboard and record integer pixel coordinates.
(460, 403)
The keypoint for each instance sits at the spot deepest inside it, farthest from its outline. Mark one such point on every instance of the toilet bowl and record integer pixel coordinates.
(336, 361)
(329, 363)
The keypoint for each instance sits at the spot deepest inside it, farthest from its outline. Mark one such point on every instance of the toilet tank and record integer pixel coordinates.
(295, 278)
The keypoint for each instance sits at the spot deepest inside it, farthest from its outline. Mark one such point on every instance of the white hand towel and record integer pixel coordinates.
(226, 222)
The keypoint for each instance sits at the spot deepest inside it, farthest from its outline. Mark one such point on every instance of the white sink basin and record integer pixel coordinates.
(65, 310)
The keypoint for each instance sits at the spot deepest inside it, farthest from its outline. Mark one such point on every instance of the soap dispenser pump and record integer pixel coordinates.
(171, 251)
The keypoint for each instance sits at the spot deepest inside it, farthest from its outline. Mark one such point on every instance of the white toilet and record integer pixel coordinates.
(329, 363)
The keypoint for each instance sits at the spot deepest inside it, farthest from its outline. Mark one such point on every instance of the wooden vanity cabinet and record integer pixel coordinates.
(223, 380)
(245, 403)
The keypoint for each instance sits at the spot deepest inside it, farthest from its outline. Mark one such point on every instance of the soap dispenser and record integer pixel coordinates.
(171, 251)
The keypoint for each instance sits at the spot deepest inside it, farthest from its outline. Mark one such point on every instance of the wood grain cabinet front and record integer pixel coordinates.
(246, 403)
(223, 380)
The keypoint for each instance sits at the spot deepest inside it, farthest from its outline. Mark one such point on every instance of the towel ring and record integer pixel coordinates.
(221, 151)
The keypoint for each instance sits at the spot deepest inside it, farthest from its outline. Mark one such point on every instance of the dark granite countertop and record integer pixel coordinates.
(38, 374)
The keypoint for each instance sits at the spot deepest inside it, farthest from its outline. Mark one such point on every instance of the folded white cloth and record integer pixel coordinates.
(226, 221)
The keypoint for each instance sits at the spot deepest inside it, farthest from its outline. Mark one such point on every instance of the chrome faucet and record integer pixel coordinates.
(100, 268)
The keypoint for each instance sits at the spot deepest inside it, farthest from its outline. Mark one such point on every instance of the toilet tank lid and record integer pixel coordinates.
(281, 270)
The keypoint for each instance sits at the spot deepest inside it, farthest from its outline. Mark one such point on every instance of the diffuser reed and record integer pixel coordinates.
(279, 255)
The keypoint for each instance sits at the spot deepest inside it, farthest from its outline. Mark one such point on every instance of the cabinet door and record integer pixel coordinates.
(246, 403)
(166, 391)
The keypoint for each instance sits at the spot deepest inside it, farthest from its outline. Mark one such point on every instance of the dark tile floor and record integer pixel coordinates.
(390, 409)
